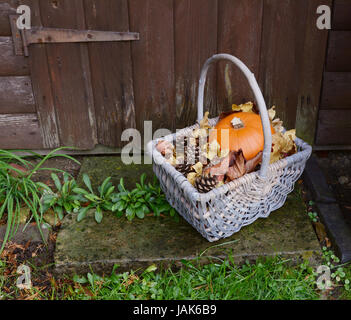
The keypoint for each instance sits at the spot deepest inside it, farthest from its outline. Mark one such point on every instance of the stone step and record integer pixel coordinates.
(30, 233)
(99, 168)
(138, 244)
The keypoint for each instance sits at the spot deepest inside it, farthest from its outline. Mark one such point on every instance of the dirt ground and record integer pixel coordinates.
(60, 163)
(39, 257)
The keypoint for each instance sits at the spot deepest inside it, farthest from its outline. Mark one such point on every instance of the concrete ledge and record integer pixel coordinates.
(338, 230)
(317, 183)
(329, 210)
(140, 243)
(31, 233)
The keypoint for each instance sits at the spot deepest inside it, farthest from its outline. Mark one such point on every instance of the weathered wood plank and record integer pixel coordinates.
(239, 34)
(282, 55)
(68, 77)
(41, 82)
(336, 90)
(153, 62)
(10, 64)
(311, 73)
(20, 131)
(341, 15)
(7, 7)
(84, 53)
(334, 127)
(339, 51)
(59, 35)
(111, 70)
(195, 41)
(16, 95)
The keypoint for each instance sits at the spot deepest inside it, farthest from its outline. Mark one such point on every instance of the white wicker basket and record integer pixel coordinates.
(225, 210)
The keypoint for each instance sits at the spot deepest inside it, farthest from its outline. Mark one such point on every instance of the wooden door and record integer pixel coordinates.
(67, 94)
(61, 78)
(84, 95)
(19, 122)
(334, 121)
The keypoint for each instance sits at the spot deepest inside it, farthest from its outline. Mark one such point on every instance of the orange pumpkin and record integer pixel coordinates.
(242, 130)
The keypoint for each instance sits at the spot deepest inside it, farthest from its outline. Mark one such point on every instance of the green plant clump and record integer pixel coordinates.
(64, 200)
(338, 272)
(143, 200)
(102, 201)
(18, 189)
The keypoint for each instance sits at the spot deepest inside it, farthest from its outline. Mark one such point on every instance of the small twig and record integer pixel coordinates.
(218, 245)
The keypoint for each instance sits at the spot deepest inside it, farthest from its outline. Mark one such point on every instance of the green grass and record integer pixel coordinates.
(271, 279)
(267, 279)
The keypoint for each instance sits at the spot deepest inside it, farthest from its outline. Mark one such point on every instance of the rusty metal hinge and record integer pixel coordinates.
(22, 39)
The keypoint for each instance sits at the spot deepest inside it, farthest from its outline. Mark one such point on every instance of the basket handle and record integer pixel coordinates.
(258, 96)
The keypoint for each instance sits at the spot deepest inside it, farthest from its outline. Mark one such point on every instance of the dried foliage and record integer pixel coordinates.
(283, 143)
(214, 163)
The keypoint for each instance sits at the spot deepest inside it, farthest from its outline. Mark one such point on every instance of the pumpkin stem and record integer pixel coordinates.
(237, 123)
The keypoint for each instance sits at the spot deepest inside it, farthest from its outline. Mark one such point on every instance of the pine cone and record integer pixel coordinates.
(185, 168)
(190, 147)
(205, 184)
(181, 143)
(192, 155)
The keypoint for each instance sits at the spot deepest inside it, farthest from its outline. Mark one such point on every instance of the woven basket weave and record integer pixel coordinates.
(225, 210)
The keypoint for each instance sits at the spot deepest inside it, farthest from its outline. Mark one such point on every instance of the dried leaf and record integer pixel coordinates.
(198, 168)
(327, 243)
(283, 145)
(277, 125)
(204, 122)
(165, 148)
(220, 179)
(290, 134)
(237, 168)
(219, 169)
(275, 154)
(320, 230)
(200, 132)
(192, 176)
(252, 164)
(272, 113)
(246, 107)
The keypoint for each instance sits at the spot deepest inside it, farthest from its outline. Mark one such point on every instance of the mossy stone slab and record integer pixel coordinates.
(140, 243)
(24, 234)
(99, 168)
